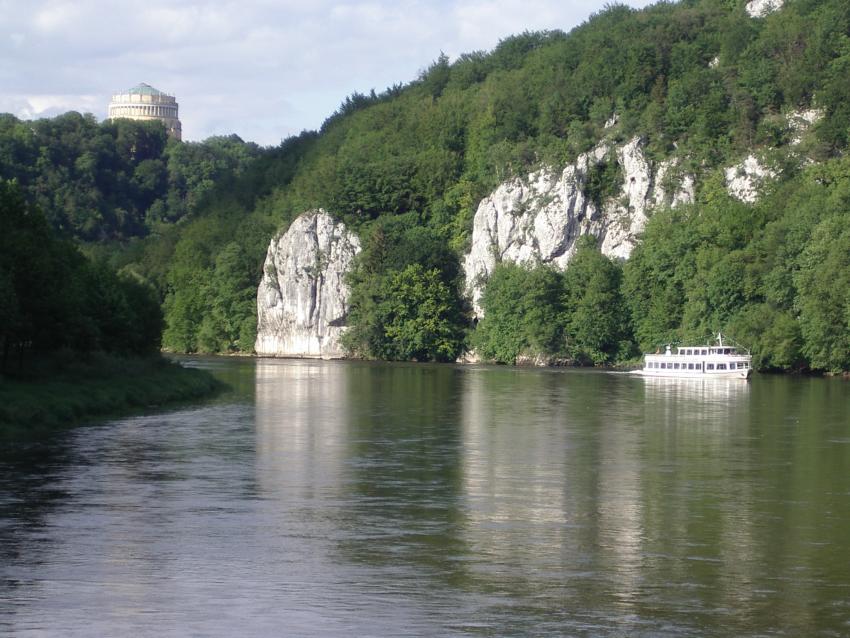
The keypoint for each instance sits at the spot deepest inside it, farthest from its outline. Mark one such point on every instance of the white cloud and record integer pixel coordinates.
(263, 69)
(57, 17)
(32, 106)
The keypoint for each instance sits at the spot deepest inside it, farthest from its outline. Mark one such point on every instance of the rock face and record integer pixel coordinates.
(744, 180)
(539, 219)
(799, 122)
(302, 301)
(761, 8)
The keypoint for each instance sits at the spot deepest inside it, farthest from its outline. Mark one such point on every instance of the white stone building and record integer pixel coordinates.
(143, 102)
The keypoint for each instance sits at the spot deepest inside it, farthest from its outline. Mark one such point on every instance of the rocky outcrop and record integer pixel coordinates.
(537, 220)
(744, 180)
(761, 8)
(800, 122)
(302, 301)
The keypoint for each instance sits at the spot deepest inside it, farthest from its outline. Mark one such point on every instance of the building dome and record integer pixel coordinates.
(143, 102)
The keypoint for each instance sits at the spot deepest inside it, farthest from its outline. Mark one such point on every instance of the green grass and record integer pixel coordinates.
(63, 390)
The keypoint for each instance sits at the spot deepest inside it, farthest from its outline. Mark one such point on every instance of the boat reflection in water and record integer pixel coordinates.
(706, 390)
(698, 401)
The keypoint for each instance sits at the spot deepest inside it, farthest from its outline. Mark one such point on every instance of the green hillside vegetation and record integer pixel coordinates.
(698, 80)
(114, 180)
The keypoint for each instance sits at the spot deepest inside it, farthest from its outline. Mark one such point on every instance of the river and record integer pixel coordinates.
(346, 498)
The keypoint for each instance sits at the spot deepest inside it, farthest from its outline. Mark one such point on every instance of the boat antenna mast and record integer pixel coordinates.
(732, 341)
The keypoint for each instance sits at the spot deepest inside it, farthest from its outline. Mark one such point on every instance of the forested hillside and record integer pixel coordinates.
(113, 180)
(699, 81)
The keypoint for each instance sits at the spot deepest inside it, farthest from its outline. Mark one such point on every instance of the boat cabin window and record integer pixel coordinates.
(709, 366)
(721, 366)
(690, 366)
(704, 352)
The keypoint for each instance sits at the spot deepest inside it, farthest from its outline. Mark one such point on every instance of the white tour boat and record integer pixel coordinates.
(699, 362)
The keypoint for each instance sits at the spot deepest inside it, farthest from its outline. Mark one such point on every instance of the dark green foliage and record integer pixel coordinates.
(579, 315)
(604, 180)
(54, 298)
(596, 323)
(212, 284)
(208, 269)
(773, 275)
(522, 313)
(420, 317)
(823, 297)
(117, 179)
(405, 301)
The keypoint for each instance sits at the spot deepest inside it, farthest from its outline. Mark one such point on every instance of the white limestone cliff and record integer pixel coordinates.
(744, 180)
(761, 8)
(538, 220)
(302, 301)
(800, 122)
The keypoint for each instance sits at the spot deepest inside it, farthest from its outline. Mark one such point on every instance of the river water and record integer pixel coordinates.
(343, 498)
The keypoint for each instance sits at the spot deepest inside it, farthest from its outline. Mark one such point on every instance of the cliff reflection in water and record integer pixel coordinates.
(552, 501)
(302, 411)
(553, 487)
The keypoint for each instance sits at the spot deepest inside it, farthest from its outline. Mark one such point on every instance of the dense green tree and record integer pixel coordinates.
(596, 322)
(54, 298)
(116, 179)
(405, 300)
(522, 313)
(420, 316)
(823, 298)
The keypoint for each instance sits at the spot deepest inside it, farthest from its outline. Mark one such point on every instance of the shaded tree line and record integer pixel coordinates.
(53, 298)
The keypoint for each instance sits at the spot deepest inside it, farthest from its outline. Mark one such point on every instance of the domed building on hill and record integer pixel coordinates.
(143, 102)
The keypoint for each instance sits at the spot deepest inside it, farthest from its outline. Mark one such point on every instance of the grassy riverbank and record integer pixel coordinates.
(60, 391)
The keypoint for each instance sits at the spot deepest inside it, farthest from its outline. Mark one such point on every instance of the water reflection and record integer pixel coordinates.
(696, 401)
(301, 427)
(331, 498)
(551, 484)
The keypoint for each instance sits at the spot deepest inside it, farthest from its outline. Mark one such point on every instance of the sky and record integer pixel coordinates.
(262, 69)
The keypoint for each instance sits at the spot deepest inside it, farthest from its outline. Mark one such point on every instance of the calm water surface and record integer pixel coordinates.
(328, 499)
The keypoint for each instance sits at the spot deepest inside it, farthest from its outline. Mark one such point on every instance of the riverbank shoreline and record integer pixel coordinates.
(66, 393)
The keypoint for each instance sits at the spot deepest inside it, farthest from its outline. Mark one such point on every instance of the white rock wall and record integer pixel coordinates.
(302, 301)
(761, 8)
(744, 180)
(538, 220)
